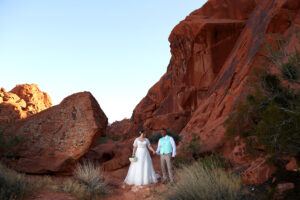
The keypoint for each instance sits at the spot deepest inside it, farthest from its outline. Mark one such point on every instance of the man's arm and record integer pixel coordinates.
(158, 147)
(173, 147)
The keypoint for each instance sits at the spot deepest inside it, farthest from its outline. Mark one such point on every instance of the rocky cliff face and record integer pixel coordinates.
(200, 45)
(212, 49)
(213, 52)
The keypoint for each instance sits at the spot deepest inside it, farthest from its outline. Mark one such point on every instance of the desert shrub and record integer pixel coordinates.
(209, 161)
(192, 147)
(89, 183)
(271, 111)
(157, 135)
(103, 140)
(75, 189)
(181, 161)
(15, 186)
(214, 160)
(197, 181)
(268, 118)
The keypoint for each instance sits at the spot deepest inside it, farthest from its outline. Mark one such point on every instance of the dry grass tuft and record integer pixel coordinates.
(89, 182)
(198, 181)
(14, 186)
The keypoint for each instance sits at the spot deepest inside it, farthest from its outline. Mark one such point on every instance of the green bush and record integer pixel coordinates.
(157, 135)
(209, 161)
(181, 161)
(214, 160)
(89, 183)
(103, 140)
(271, 111)
(192, 147)
(197, 181)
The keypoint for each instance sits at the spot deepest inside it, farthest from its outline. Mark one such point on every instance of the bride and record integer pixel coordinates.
(141, 172)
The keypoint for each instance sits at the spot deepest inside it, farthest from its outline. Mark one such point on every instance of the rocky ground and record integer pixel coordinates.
(119, 190)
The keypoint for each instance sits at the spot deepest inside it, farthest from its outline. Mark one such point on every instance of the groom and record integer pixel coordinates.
(166, 148)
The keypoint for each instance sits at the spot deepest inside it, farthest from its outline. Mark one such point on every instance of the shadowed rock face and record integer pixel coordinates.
(56, 138)
(213, 52)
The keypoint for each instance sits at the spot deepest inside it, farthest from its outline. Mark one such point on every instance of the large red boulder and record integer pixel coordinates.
(56, 138)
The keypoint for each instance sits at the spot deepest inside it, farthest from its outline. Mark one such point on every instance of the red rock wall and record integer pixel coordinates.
(229, 85)
(213, 52)
(200, 45)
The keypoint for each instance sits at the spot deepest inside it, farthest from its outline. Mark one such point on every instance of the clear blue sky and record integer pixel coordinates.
(115, 49)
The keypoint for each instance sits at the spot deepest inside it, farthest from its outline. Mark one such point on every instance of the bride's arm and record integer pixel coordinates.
(150, 148)
(134, 150)
(134, 147)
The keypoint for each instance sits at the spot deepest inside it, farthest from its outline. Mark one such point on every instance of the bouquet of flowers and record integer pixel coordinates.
(132, 159)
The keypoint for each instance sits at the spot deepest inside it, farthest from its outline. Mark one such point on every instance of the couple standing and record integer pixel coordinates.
(142, 172)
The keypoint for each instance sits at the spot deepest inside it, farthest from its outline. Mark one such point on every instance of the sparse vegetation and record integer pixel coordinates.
(181, 161)
(268, 118)
(214, 160)
(89, 183)
(103, 140)
(15, 186)
(203, 181)
(271, 111)
(192, 147)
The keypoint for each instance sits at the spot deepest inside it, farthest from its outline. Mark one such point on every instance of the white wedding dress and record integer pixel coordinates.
(141, 172)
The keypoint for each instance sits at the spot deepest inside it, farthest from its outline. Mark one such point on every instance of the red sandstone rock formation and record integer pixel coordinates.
(120, 129)
(213, 52)
(56, 138)
(22, 101)
(112, 155)
(258, 172)
(35, 99)
(199, 46)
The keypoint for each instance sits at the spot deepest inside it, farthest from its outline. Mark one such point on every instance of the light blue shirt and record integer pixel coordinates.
(173, 146)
